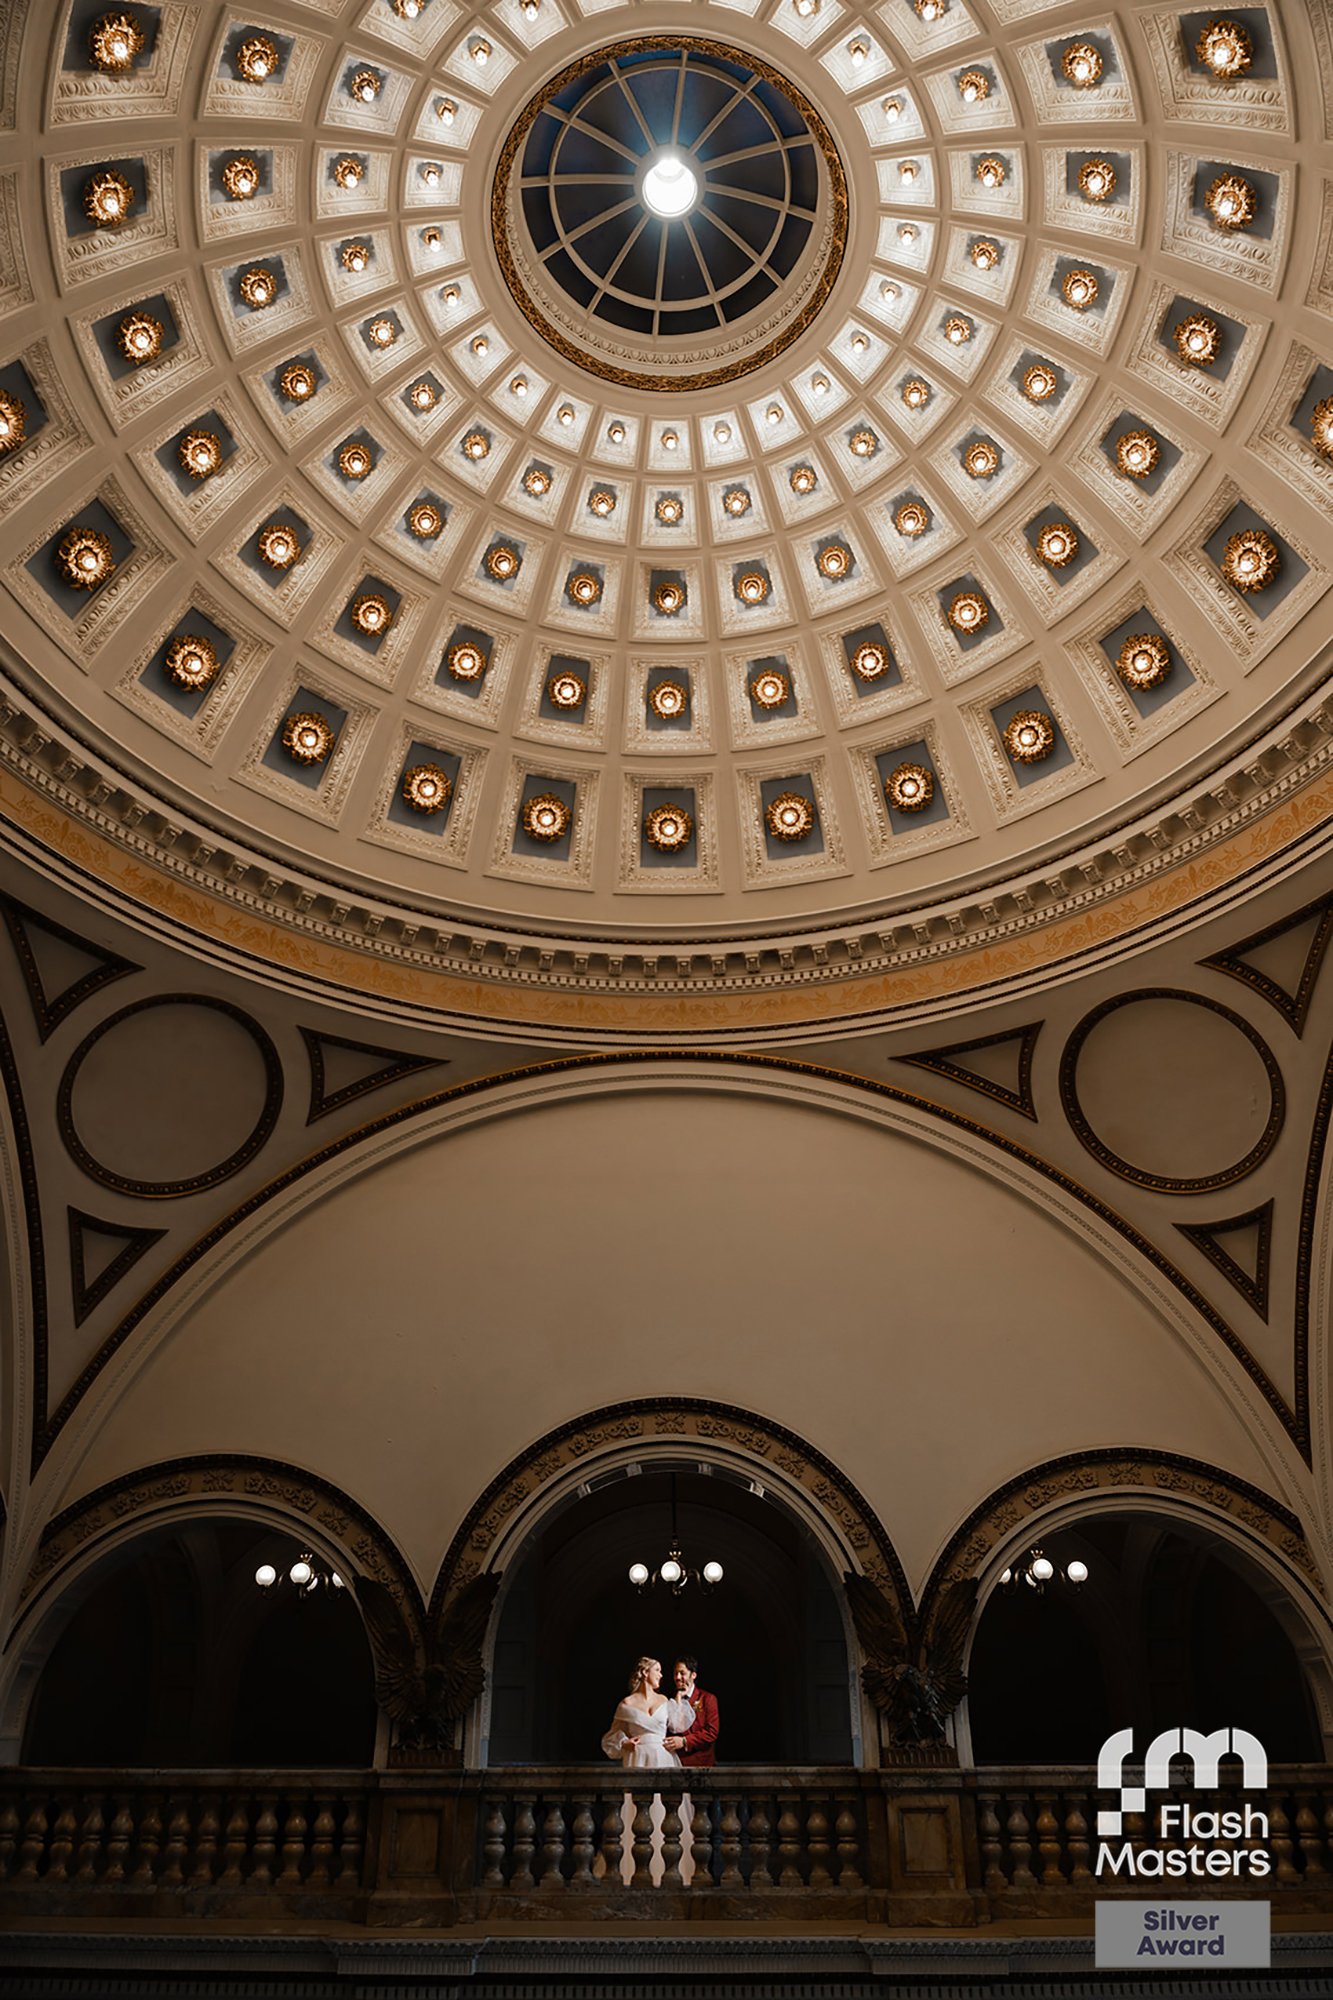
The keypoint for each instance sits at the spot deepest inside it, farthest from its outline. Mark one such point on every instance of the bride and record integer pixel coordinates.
(637, 1738)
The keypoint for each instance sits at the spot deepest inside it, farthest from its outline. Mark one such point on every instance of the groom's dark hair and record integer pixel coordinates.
(688, 1660)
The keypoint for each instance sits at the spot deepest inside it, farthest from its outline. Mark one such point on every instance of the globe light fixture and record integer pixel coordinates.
(670, 186)
(308, 1575)
(1035, 1571)
(674, 1573)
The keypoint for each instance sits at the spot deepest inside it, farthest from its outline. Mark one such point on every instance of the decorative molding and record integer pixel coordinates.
(1253, 1284)
(88, 1292)
(942, 1062)
(1293, 1007)
(51, 1009)
(388, 1066)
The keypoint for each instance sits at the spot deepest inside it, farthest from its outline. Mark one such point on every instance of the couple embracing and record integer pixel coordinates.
(651, 1731)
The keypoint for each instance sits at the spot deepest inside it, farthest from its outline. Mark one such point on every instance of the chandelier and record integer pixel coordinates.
(1036, 1571)
(308, 1575)
(673, 1573)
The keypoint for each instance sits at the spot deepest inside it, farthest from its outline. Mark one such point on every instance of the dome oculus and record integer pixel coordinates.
(662, 198)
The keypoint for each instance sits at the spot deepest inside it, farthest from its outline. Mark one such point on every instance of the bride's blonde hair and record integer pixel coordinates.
(647, 1660)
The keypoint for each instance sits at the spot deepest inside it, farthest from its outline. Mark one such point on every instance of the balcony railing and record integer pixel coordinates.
(904, 1845)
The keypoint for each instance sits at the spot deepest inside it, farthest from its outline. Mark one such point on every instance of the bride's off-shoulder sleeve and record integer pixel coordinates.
(680, 1717)
(615, 1739)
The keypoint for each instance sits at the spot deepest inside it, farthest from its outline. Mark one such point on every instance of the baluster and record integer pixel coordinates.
(817, 1845)
(90, 1841)
(760, 1832)
(583, 1848)
(62, 1844)
(789, 1847)
(350, 1846)
(613, 1838)
(293, 1845)
(642, 1844)
(701, 1840)
(34, 1843)
(493, 1844)
(1279, 1833)
(206, 1846)
(991, 1842)
(265, 1847)
(553, 1845)
(177, 1847)
(9, 1836)
(849, 1846)
(729, 1842)
(1019, 1829)
(1308, 1835)
(525, 1842)
(321, 1844)
(237, 1845)
(1048, 1842)
(1328, 1826)
(1076, 1838)
(671, 1839)
(150, 1845)
(118, 1842)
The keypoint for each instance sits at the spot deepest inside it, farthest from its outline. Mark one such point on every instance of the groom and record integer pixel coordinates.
(696, 1746)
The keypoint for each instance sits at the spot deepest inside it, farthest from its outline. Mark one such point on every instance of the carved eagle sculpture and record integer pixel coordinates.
(428, 1671)
(915, 1684)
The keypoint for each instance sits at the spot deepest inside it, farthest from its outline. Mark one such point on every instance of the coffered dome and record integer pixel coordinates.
(920, 414)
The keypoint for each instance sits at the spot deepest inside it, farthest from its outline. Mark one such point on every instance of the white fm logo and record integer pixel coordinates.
(1205, 1753)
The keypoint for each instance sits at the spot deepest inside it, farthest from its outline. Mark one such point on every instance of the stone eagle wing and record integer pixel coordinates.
(458, 1639)
(942, 1649)
(400, 1654)
(882, 1634)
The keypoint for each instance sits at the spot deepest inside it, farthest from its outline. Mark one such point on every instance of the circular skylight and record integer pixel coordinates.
(669, 187)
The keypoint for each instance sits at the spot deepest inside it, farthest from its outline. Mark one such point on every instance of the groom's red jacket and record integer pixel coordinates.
(700, 1739)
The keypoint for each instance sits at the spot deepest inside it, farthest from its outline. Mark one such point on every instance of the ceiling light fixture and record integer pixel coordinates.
(912, 519)
(256, 59)
(108, 199)
(546, 818)
(736, 501)
(973, 86)
(1144, 660)
(1225, 48)
(1198, 339)
(968, 612)
(991, 171)
(1321, 427)
(910, 788)
(602, 502)
(790, 816)
(536, 482)
(191, 662)
(1079, 288)
(583, 587)
(307, 739)
(1056, 544)
(984, 254)
(1137, 454)
(466, 661)
(1082, 64)
(1097, 180)
(84, 558)
(1251, 559)
(297, 382)
(114, 40)
(139, 337)
(981, 459)
(769, 688)
(240, 177)
(425, 520)
(673, 1573)
(870, 661)
(1232, 202)
(348, 172)
(371, 615)
(670, 510)
(13, 421)
(668, 828)
(1040, 382)
(355, 460)
(1036, 1570)
(423, 395)
(503, 562)
(308, 1575)
(566, 690)
(752, 586)
(915, 393)
(258, 287)
(669, 699)
(278, 545)
(366, 85)
(1029, 736)
(200, 453)
(804, 479)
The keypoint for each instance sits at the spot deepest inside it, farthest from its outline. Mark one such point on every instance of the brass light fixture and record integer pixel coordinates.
(1097, 180)
(769, 688)
(348, 172)
(985, 254)
(973, 86)
(670, 510)
(191, 662)
(863, 443)
(834, 562)
(308, 1575)
(355, 460)
(1144, 660)
(382, 331)
(1057, 544)
(307, 738)
(804, 479)
(991, 170)
(355, 257)
(736, 501)
(200, 453)
(1079, 288)
(84, 558)
(912, 519)
(423, 396)
(466, 661)
(366, 85)
(602, 502)
(476, 445)
(114, 40)
(257, 59)
(1137, 454)
(545, 817)
(669, 700)
(409, 10)
(931, 10)
(1321, 427)
(480, 51)
(1040, 382)
(258, 287)
(790, 816)
(565, 414)
(981, 459)
(566, 690)
(426, 788)
(752, 586)
(1225, 48)
(957, 330)
(583, 587)
(424, 520)
(1036, 1570)
(1232, 202)
(668, 828)
(1198, 339)
(278, 545)
(1251, 559)
(968, 612)
(674, 1573)
(669, 598)
(916, 393)
(297, 382)
(371, 615)
(1082, 64)
(108, 198)
(139, 337)
(240, 177)
(870, 661)
(669, 440)
(909, 788)
(907, 232)
(1029, 736)
(615, 432)
(503, 562)
(536, 481)
(13, 421)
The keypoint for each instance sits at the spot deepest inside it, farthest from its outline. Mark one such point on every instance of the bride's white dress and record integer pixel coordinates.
(638, 1740)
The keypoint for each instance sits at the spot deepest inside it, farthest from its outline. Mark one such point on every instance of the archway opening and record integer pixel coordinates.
(770, 1639)
(1173, 1628)
(173, 1657)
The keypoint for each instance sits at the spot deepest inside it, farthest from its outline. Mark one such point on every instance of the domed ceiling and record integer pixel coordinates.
(665, 474)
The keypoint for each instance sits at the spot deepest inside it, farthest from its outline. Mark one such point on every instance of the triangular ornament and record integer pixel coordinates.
(1282, 963)
(60, 970)
(999, 1066)
(1243, 1260)
(100, 1253)
(341, 1071)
